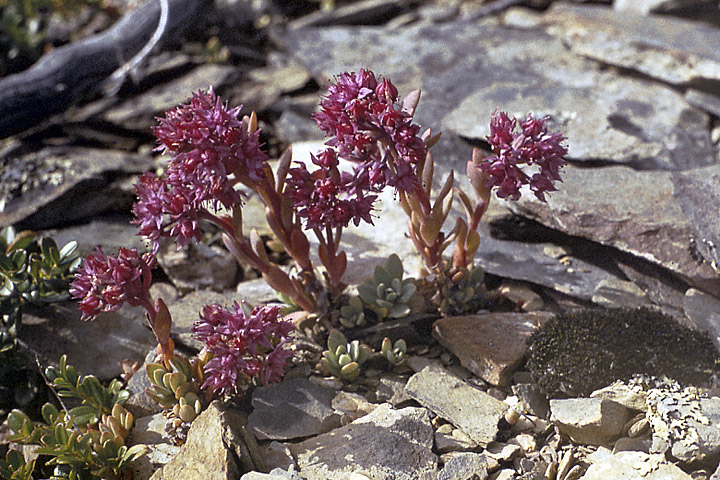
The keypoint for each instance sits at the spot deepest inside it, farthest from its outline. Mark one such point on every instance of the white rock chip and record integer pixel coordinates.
(590, 421)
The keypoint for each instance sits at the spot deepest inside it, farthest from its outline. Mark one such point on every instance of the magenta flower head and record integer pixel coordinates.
(212, 150)
(359, 111)
(244, 345)
(103, 283)
(533, 146)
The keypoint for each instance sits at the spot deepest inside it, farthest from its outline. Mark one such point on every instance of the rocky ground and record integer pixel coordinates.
(635, 87)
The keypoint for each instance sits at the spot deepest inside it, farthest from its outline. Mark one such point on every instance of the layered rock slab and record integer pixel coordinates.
(386, 443)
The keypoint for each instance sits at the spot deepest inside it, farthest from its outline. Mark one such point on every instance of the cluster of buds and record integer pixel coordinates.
(103, 283)
(176, 388)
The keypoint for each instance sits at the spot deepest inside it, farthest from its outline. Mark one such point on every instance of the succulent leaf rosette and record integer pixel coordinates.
(387, 293)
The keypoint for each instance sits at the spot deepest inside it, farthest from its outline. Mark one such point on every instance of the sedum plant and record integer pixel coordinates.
(394, 352)
(343, 359)
(353, 314)
(387, 293)
(175, 388)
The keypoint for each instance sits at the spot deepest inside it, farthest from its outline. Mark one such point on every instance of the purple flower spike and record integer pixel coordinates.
(532, 146)
(103, 283)
(244, 346)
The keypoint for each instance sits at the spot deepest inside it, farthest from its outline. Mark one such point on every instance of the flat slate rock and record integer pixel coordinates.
(473, 411)
(492, 345)
(57, 185)
(643, 217)
(295, 408)
(94, 347)
(670, 49)
(386, 443)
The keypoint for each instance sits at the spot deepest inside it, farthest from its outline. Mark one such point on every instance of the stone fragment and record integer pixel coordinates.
(450, 439)
(464, 466)
(619, 293)
(392, 390)
(109, 233)
(633, 465)
(58, 185)
(525, 441)
(205, 453)
(716, 475)
(112, 337)
(505, 474)
(139, 111)
(670, 49)
(646, 221)
(384, 444)
(275, 474)
(489, 345)
(470, 409)
(295, 408)
(533, 398)
(150, 431)
(351, 406)
(704, 312)
(198, 266)
(503, 452)
(638, 444)
(277, 455)
(590, 421)
(632, 397)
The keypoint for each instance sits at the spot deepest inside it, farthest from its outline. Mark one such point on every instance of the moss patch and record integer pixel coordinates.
(576, 353)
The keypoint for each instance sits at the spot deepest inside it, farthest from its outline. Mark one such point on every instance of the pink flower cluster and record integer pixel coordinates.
(532, 146)
(244, 346)
(209, 145)
(103, 283)
(330, 198)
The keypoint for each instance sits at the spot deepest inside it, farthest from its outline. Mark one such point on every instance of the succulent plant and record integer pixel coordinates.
(175, 388)
(386, 293)
(394, 353)
(460, 290)
(343, 359)
(353, 314)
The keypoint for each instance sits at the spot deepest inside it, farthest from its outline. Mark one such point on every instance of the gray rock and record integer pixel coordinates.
(450, 439)
(633, 122)
(716, 475)
(633, 465)
(695, 193)
(139, 112)
(277, 455)
(275, 474)
(533, 398)
(670, 49)
(464, 466)
(384, 444)
(652, 6)
(204, 454)
(590, 421)
(392, 390)
(57, 185)
(489, 345)
(150, 431)
(630, 396)
(109, 233)
(473, 411)
(637, 444)
(111, 337)
(620, 293)
(646, 220)
(198, 266)
(295, 408)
